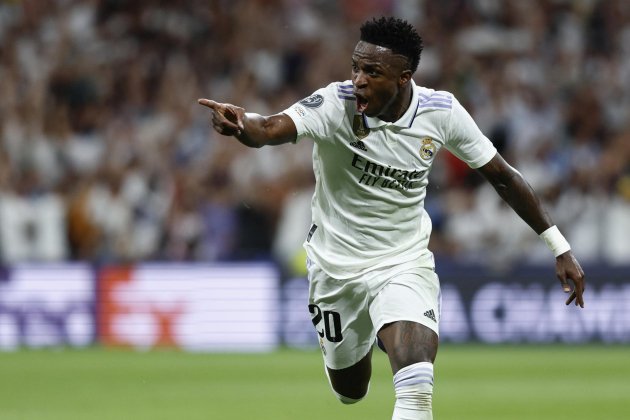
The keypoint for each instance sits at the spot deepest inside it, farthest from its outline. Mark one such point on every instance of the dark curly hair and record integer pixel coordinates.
(395, 34)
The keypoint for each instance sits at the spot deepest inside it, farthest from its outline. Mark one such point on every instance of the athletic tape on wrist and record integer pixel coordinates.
(555, 241)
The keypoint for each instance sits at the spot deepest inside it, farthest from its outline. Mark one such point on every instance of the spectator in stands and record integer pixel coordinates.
(87, 85)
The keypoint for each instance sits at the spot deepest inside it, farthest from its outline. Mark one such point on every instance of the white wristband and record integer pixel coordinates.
(555, 241)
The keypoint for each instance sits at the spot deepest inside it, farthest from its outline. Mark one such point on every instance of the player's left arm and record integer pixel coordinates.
(513, 188)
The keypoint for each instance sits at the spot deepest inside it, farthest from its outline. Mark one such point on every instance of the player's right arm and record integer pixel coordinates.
(253, 130)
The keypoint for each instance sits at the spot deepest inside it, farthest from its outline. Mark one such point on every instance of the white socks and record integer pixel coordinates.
(414, 391)
(413, 385)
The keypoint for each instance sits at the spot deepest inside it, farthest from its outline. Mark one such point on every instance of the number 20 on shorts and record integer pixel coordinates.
(332, 323)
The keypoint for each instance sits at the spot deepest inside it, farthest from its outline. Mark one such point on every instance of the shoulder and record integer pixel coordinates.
(336, 95)
(434, 100)
(341, 93)
(324, 111)
(343, 90)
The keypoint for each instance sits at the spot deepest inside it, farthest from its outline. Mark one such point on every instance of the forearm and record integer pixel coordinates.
(251, 129)
(254, 131)
(260, 131)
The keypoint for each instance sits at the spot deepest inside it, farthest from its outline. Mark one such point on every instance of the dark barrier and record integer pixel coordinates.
(47, 306)
(245, 307)
(194, 307)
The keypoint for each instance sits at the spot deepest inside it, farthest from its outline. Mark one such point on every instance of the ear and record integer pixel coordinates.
(404, 78)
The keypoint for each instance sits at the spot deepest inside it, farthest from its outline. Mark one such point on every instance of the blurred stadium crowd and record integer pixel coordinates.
(105, 155)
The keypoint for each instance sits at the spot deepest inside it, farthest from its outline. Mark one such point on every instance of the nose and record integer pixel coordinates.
(359, 80)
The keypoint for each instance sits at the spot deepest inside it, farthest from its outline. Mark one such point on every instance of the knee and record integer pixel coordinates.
(402, 358)
(408, 343)
(351, 400)
(347, 400)
(352, 384)
(349, 393)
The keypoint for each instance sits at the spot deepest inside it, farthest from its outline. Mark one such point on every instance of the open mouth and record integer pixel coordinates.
(362, 103)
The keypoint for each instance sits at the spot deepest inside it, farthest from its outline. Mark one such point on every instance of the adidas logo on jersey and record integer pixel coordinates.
(359, 145)
(430, 314)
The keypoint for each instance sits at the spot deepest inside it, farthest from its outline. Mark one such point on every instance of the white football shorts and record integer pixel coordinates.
(348, 313)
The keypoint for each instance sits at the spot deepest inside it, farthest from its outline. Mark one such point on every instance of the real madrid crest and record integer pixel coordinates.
(427, 150)
(358, 127)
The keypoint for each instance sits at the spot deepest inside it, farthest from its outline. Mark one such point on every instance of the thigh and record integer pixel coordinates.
(410, 296)
(340, 314)
(406, 313)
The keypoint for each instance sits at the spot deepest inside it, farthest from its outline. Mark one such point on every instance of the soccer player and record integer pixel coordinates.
(370, 272)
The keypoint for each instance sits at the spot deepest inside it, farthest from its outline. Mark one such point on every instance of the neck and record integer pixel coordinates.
(399, 105)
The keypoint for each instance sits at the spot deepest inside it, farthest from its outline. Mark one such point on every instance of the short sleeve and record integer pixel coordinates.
(319, 115)
(465, 140)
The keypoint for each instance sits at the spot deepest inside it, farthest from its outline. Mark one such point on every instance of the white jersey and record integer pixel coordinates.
(371, 176)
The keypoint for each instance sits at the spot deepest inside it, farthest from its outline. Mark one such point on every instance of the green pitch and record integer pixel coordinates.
(472, 382)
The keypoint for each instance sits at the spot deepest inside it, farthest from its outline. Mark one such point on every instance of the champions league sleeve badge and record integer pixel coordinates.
(313, 101)
(427, 150)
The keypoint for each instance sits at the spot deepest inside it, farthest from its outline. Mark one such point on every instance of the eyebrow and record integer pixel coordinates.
(373, 64)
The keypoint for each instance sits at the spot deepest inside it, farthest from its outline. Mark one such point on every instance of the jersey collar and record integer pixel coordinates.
(403, 122)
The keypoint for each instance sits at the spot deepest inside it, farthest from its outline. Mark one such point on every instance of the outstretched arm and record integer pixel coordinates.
(252, 130)
(511, 186)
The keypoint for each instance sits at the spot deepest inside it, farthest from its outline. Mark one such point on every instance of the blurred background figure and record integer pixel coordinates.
(105, 155)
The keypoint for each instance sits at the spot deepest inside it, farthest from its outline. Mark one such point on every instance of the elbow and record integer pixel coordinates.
(507, 180)
(249, 142)
(501, 187)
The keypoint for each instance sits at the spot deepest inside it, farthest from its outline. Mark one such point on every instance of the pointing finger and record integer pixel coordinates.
(208, 102)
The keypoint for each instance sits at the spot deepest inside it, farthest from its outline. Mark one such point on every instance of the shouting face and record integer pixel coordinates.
(381, 81)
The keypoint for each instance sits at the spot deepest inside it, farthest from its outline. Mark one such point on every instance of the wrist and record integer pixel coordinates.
(556, 242)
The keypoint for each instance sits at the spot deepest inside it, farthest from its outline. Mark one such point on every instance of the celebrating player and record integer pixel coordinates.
(370, 271)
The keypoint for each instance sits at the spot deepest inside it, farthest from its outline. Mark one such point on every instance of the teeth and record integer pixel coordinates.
(361, 105)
